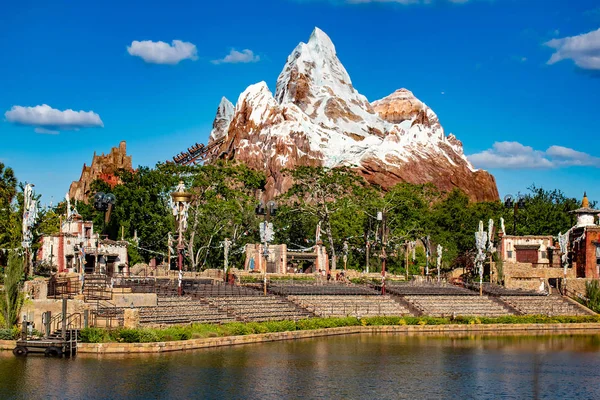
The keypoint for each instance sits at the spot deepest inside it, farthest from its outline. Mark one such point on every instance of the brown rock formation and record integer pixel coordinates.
(103, 167)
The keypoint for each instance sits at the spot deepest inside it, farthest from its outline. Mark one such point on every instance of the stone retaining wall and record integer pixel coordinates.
(159, 347)
(7, 344)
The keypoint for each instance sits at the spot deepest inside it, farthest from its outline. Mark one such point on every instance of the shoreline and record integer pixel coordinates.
(211, 342)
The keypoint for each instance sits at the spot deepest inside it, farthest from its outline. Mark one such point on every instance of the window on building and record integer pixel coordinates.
(544, 254)
(509, 254)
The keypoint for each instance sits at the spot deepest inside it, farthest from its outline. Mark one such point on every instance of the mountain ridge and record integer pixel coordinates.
(316, 117)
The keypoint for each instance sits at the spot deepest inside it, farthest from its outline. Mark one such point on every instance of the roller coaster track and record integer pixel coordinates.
(195, 154)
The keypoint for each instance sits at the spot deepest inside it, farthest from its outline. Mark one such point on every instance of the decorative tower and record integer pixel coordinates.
(584, 241)
(586, 216)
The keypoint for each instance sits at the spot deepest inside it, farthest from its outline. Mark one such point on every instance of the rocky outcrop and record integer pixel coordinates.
(317, 117)
(103, 167)
(222, 120)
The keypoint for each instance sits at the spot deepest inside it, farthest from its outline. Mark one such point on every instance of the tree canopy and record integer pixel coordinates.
(336, 201)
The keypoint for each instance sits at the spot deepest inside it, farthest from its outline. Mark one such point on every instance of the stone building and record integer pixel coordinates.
(584, 242)
(527, 260)
(76, 248)
(280, 260)
(527, 249)
(103, 167)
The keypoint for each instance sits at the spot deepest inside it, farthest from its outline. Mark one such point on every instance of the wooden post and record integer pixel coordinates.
(169, 244)
(64, 319)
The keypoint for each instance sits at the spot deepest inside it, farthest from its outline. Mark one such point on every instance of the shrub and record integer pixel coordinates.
(129, 335)
(7, 334)
(94, 335)
(149, 335)
(98, 335)
(382, 321)
(11, 298)
(278, 326)
(237, 328)
(592, 292)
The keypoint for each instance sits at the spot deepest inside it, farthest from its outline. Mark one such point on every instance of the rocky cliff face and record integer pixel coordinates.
(317, 118)
(103, 167)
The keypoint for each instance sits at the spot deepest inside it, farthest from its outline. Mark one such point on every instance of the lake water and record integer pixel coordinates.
(340, 367)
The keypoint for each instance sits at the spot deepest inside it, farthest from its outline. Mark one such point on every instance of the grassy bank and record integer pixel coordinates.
(197, 331)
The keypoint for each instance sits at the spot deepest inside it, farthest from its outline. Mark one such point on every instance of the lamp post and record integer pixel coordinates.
(266, 233)
(509, 202)
(181, 203)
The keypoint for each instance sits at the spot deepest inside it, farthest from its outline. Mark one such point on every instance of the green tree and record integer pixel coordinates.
(9, 224)
(222, 208)
(11, 298)
(142, 208)
(323, 193)
(546, 212)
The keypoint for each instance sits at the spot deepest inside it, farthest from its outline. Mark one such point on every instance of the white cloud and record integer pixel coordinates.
(566, 156)
(46, 131)
(163, 53)
(583, 49)
(50, 120)
(514, 155)
(234, 57)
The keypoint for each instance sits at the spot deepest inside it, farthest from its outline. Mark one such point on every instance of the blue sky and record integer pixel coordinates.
(483, 66)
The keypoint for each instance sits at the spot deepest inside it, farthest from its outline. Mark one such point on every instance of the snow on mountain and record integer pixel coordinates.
(222, 120)
(317, 117)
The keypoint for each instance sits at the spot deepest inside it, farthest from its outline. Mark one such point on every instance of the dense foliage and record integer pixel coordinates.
(9, 223)
(11, 297)
(592, 294)
(336, 202)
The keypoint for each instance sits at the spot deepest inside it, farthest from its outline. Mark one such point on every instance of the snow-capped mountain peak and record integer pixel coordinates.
(222, 119)
(318, 118)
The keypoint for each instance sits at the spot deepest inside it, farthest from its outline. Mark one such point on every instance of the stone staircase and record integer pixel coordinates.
(553, 305)
(351, 305)
(182, 310)
(259, 308)
(448, 306)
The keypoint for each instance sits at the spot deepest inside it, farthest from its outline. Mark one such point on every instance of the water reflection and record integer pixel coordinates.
(348, 367)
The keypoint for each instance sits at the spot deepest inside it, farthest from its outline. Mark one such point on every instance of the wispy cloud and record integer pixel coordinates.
(236, 57)
(163, 53)
(519, 59)
(49, 120)
(583, 49)
(514, 155)
(46, 131)
(593, 14)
